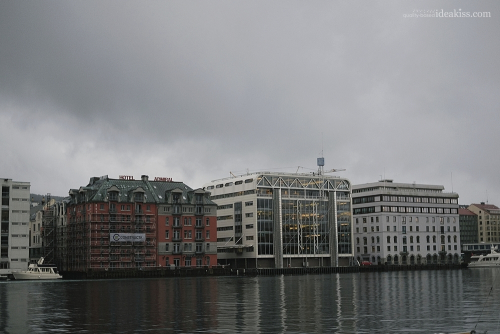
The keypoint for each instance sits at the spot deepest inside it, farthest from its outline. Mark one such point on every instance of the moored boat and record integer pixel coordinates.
(37, 271)
(486, 261)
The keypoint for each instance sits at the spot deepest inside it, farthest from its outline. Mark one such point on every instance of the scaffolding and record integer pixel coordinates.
(48, 231)
(90, 245)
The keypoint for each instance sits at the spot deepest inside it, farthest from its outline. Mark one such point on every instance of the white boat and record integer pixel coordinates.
(38, 271)
(486, 261)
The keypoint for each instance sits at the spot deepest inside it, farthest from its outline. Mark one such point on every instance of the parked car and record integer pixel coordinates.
(366, 263)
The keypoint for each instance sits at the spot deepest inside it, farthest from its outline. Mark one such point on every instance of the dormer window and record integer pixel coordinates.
(113, 196)
(199, 198)
(138, 197)
(176, 198)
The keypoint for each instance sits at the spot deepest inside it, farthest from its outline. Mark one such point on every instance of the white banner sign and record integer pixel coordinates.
(127, 237)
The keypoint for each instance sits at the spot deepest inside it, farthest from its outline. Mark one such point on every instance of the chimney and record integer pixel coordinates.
(144, 178)
(482, 203)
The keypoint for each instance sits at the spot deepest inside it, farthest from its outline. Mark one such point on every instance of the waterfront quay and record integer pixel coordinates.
(228, 271)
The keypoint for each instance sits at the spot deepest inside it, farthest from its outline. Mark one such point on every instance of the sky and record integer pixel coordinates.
(197, 90)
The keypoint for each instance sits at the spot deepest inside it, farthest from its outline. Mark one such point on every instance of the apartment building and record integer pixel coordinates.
(488, 216)
(468, 226)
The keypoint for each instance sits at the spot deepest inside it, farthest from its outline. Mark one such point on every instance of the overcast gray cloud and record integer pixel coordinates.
(194, 90)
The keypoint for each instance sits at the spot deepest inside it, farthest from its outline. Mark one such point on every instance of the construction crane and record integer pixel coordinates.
(334, 170)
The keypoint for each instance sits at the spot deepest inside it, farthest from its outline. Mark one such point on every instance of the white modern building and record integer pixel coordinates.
(405, 223)
(277, 220)
(14, 233)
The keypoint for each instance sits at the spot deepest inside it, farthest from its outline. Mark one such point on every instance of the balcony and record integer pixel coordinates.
(177, 238)
(177, 225)
(177, 210)
(199, 225)
(199, 252)
(176, 251)
(199, 238)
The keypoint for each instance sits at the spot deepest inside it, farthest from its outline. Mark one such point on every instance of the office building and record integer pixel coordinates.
(405, 223)
(14, 232)
(276, 220)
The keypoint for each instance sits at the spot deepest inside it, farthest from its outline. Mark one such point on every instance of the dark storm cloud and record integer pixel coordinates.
(198, 89)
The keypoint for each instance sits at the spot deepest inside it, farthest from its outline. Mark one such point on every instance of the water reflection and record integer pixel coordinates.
(398, 302)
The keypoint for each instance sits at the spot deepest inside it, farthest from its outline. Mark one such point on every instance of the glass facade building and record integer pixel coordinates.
(276, 220)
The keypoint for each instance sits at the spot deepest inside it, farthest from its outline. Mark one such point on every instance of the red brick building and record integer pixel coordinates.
(122, 223)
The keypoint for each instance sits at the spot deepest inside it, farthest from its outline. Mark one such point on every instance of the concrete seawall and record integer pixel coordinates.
(227, 271)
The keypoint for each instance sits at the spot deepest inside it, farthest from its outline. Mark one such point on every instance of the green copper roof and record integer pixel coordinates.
(154, 191)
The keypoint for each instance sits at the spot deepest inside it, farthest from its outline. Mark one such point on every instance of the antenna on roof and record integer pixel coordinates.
(451, 181)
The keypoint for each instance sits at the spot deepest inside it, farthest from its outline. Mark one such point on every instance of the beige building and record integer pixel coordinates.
(488, 222)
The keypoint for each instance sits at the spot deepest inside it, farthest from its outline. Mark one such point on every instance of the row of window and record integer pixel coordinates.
(228, 184)
(404, 209)
(229, 195)
(408, 219)
(187, 221)
(410, 209)
(405, 239)
(407, 199)
(113, 206)
(224, 228)
(113, 196)
(188, 234)
(188, 247)
(405, 248)
(188, 209)
(376, 228)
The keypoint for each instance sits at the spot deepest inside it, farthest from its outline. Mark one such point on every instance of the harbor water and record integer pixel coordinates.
(429, 301)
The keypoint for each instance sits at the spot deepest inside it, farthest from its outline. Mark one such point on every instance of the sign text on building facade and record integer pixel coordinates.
(127, 237)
